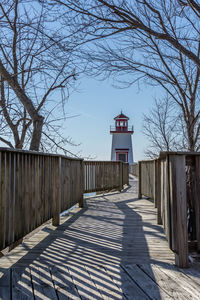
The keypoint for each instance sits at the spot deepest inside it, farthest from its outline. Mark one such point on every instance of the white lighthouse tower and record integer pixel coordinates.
(121, 140)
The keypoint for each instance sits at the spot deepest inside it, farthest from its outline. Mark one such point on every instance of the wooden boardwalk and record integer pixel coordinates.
(111, 249)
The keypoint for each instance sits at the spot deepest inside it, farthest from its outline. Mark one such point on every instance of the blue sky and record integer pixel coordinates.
(97, 103)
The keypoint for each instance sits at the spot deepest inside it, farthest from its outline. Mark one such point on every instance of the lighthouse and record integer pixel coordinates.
(121, 140)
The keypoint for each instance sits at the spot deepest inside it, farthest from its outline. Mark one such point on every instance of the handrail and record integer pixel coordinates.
(35, 187)
(173, 181)
(105, 175)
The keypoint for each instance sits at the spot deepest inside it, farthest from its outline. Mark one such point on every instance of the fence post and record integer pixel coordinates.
(155, 183)
(178, 203)
(127, 172)
(139, 180)
(57, 192)
(81, 183)
(197, 201)
(158, 190)
(120, 176)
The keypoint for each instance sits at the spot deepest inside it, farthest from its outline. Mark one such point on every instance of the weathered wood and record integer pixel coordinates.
(147, 178)
(178, 209)
(104, 283)
(81, 185)
(5, 284)
(63, 283)
(21, 284)
(134, 170)
(103, 252)
(120, 176)
(122, 280)
(197, 200)
(85, 285)
(146, 283)
(139, 180)
(158, 190)
(174, 290)
(105, 176)
(42, 283)
(27, 192)
(57, 193)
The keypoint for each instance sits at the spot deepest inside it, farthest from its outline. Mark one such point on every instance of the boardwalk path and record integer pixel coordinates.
(111, 249)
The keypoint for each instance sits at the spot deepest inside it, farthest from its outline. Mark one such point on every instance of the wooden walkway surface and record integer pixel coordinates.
(111, 249)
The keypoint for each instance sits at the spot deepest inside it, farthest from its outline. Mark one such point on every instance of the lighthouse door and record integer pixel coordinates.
(122, 157)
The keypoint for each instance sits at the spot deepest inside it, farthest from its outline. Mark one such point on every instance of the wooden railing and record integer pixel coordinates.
(133, 169)
(175, 182)
(146, 170)
(35, 187)
(125, 174)
(105, 176)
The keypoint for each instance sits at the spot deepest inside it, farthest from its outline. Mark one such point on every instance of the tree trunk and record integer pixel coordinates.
(36, 134)
(28, 105)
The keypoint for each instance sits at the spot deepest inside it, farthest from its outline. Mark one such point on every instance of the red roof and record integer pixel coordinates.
(121, 116)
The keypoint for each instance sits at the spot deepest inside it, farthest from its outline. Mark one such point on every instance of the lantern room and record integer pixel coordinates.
(121, 124)
(121, 140)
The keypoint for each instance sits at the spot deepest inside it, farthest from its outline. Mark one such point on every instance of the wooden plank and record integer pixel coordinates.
(42, 284)
(7, 199)
(26, 192)
(2, 203)
(120, 176)
(21, 284)
(63, 283)
(184, 281)
(178, 209)
(197, 200)
(155, 183)
(139, 180)
(81, 180)
(104, 283)
(158, 191)
(145, 282)
(129, 288)
(5, 281)
(84, 284)
(57, 192)
(167, 205)
(171, 287)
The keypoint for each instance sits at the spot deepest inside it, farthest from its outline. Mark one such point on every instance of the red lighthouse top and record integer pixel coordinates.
(121, 125)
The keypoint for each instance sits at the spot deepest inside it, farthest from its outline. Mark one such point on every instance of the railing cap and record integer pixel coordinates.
(37, 153)
(105, 161)
(163, 154)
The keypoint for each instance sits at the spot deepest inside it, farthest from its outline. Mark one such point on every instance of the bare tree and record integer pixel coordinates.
(37, 71)
(175, 23)
(164, 128)
(154, 41)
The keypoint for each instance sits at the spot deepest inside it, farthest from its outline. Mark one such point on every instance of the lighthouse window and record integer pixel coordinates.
(121, 123)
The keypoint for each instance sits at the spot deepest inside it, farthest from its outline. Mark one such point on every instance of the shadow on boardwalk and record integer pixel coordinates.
(111, 249)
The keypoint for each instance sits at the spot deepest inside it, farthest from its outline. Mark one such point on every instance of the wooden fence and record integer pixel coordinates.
(134, 170)
(146, 170)
(35, 187)
(105, 175)
(174, 184)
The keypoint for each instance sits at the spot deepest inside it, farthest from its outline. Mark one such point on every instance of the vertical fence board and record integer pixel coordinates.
(104, 176)
(197, 200)
(179, 209)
